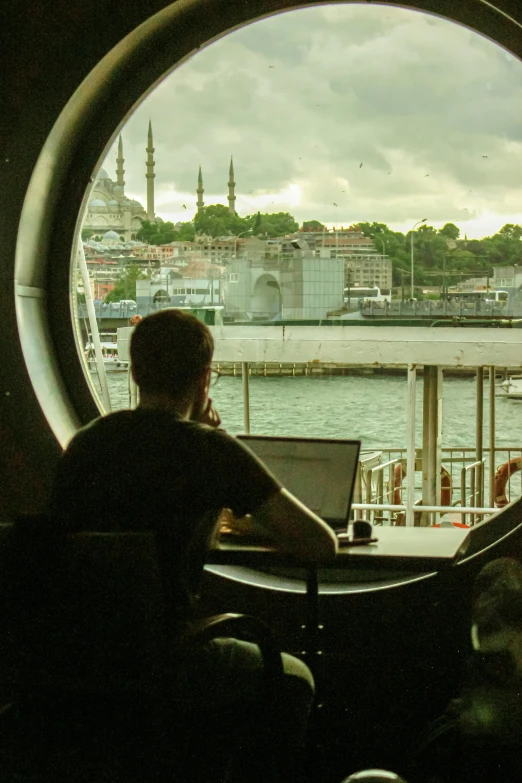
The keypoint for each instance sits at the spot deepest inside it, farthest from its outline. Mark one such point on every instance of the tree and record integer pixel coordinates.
(450, 231)
(186, 232)
(275, 224)
(162, 233)
(125, 287)
(505, 248)
(313, 225)
(216, 220)
(511, 231)
(147, 230)
(86, 234)
(257, 225)
(429, 251)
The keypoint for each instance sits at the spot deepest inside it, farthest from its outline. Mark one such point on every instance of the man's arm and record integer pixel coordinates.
(296, 528)
(288, 521)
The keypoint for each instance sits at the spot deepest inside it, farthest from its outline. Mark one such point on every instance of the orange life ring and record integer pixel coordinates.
(502, 477)
(399, 472)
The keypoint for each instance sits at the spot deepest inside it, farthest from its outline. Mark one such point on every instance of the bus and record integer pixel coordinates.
(470, 297)
(360, 294)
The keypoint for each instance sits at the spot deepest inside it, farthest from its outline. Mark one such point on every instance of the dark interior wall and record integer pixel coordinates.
(389, 652)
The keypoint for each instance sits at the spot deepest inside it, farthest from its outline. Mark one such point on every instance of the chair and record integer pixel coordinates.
(95, 649)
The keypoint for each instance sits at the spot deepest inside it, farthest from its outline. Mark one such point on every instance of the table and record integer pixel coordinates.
(413, 549)
(417, 549)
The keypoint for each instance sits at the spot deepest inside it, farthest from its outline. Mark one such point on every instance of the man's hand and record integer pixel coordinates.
(246, 526)
(210, 415)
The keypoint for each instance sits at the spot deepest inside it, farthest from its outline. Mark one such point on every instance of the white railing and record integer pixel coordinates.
(376, 483)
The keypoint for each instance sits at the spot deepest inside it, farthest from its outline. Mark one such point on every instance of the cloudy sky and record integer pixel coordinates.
(431, 110)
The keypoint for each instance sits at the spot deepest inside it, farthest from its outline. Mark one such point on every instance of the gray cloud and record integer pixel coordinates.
(302, 98)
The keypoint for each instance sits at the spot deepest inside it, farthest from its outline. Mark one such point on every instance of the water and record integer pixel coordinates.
(367, 408)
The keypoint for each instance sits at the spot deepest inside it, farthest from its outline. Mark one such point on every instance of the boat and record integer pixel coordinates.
(111, 360)
(511, 387)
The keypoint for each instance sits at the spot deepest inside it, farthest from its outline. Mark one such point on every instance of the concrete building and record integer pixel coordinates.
(197, 283)
(507, 276)
(363, 265)
(297, 287)
(368, 270)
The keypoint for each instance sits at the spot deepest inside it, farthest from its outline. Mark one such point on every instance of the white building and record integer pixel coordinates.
(297, 287)
(507, 276)
(168, 287)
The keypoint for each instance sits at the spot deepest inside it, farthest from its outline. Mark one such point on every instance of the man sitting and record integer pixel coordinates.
(166, 467)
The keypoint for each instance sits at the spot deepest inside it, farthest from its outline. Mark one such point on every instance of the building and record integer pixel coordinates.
(363, 265)
(293, 285)
(507, 276)
(109, 209)
(231, 190)
(168, 286)
(368, 270)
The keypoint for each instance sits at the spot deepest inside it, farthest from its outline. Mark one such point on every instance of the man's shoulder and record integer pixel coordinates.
(146, 423)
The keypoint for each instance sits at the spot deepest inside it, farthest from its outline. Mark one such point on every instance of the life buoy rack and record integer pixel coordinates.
(502, 477)
(446, 488)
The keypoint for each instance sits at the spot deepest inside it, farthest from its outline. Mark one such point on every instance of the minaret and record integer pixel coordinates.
(231, 189)
(150, 175)
(120, 171)
(200, 203)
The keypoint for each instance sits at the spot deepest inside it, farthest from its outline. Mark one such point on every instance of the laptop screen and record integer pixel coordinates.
(319, 472)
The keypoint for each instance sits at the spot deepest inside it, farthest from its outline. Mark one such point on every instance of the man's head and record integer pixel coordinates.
(171, 353)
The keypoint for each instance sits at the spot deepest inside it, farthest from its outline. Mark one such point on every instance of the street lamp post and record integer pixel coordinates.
(236, 237)
(412, 279)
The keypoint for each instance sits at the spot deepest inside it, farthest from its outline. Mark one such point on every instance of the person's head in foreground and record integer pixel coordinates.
(171, 356)
(374, 776)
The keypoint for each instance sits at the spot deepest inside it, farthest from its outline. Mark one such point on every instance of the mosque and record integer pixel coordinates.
(112, 215)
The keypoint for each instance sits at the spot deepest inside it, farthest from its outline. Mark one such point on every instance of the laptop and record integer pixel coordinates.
(320, 472)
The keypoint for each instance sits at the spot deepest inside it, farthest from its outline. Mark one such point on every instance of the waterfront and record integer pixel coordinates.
(369, 408)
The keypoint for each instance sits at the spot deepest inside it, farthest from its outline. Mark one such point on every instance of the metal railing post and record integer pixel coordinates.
(246, 397)
(491, 436)
(479, 431)
(410, 459)
(463, 490)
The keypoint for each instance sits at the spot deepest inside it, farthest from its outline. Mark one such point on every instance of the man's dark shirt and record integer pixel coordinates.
(149, 470)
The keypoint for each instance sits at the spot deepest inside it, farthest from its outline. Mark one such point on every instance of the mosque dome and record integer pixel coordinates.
(113, 203)
(97, 202)
(102, 174)
(111, 235)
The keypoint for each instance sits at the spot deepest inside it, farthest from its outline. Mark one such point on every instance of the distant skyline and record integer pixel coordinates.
(342, 114)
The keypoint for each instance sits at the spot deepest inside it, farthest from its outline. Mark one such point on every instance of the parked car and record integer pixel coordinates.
(128, 304)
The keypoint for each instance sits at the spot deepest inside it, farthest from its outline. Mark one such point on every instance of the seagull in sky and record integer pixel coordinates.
(426, 175)
(360, 166)
(184, 206)
(484, 156)
(334, 204)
